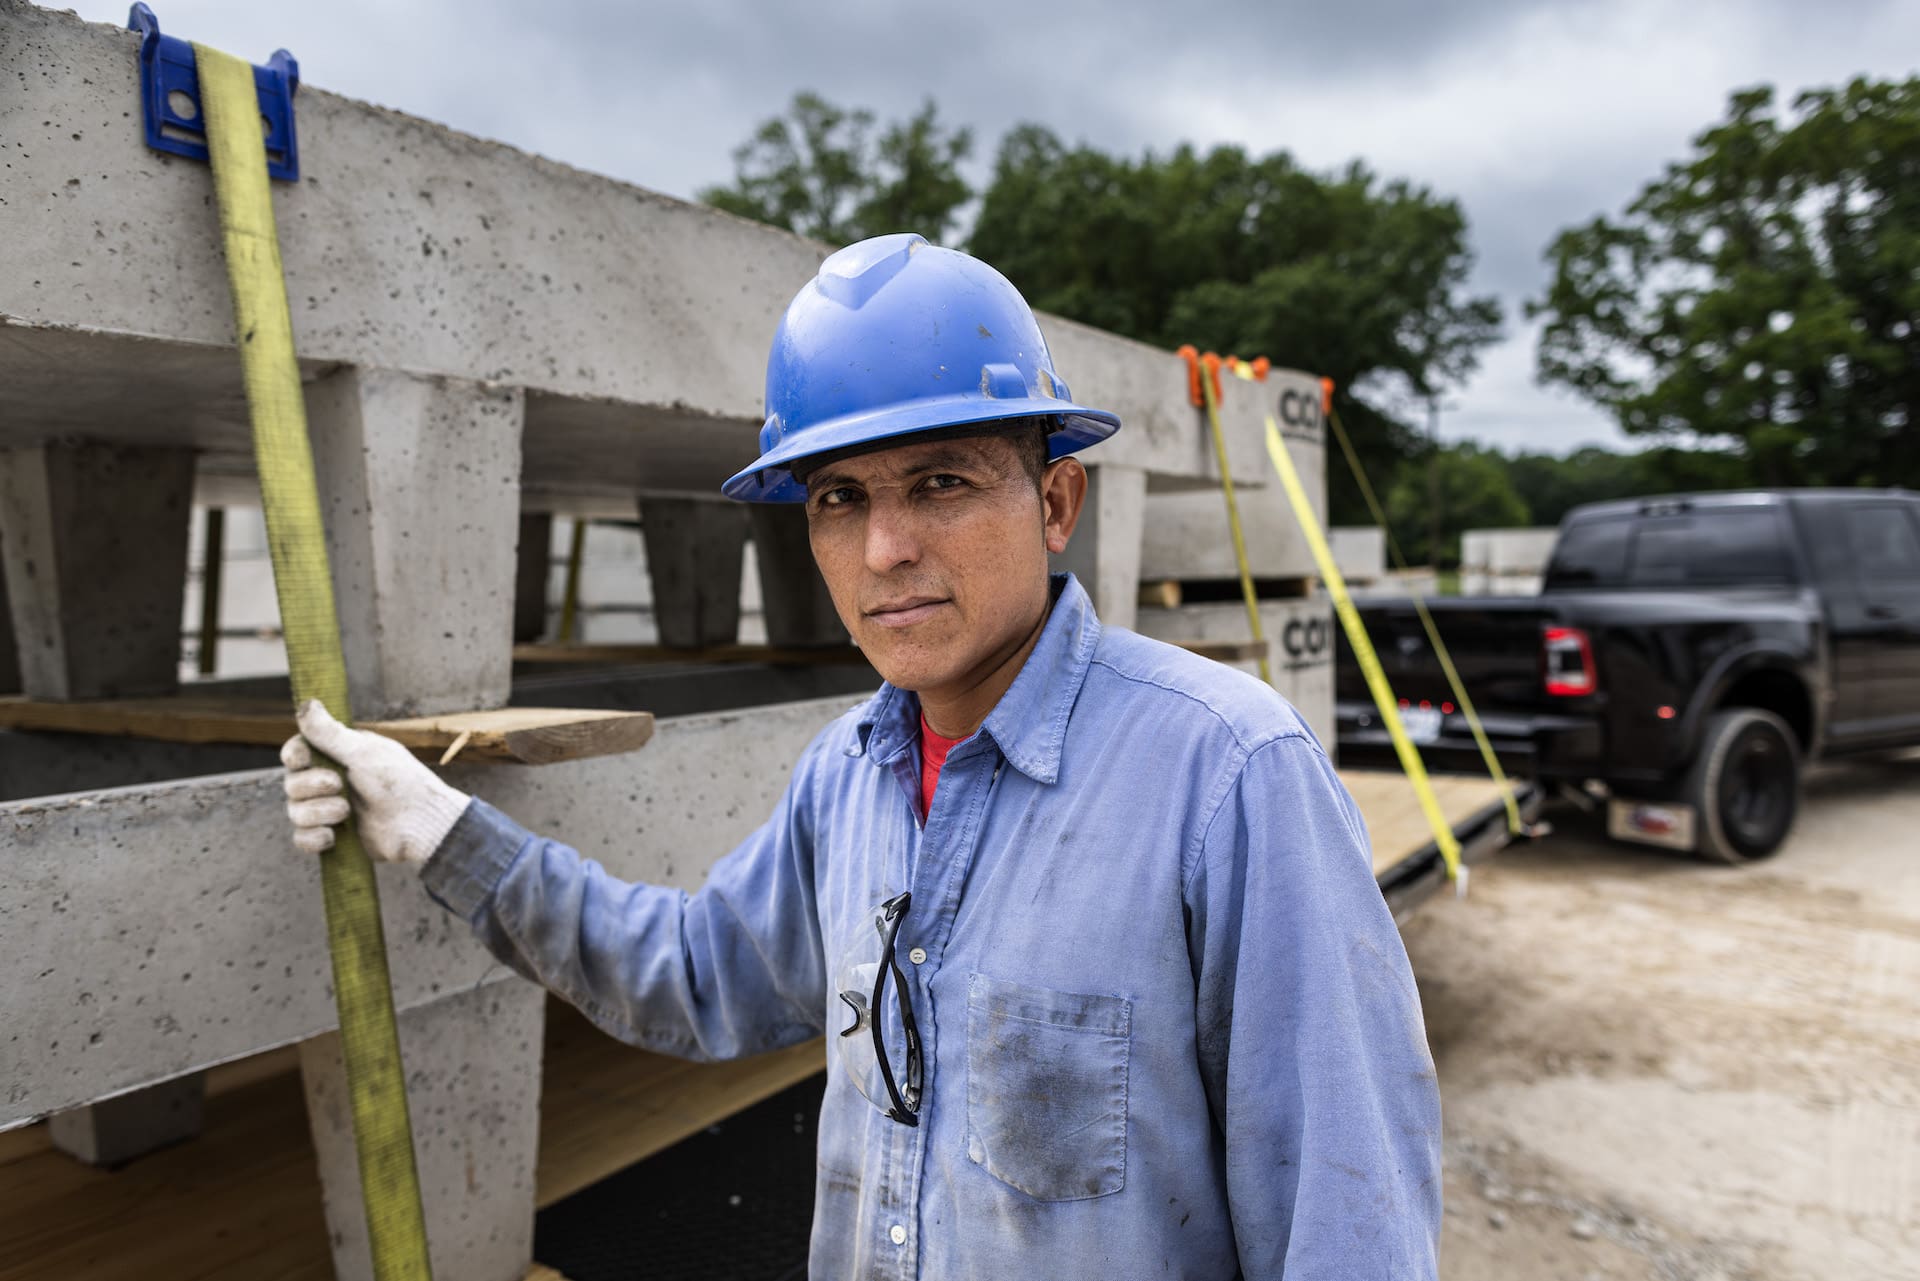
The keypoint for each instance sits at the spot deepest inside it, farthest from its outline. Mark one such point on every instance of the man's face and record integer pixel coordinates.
(936, 555)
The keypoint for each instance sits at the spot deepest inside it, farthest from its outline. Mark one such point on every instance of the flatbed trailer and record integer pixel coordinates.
(242, 1199)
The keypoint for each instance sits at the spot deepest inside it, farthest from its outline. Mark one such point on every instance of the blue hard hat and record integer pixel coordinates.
(897, 336)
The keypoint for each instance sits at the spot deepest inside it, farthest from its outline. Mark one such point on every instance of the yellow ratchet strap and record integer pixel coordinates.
(1233, 523)
(1403, 746)
(1515, 824)
(263, 330)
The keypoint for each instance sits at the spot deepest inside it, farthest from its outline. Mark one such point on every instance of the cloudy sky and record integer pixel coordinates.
(1535, 114)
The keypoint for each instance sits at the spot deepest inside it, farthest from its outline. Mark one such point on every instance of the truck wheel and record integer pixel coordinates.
(1744, 784)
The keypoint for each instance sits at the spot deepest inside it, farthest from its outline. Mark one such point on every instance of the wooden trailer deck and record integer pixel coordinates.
(242, 1200)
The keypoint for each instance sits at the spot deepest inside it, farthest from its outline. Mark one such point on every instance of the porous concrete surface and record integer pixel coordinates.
(1104, 552)
(638, 323)
(419, 481)
(473, 1095)
(152, 931)
(94, 601)
(695, 547)
(786, 581)
(1656, 1067)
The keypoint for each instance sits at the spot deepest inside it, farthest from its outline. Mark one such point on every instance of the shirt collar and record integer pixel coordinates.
(1029, 723)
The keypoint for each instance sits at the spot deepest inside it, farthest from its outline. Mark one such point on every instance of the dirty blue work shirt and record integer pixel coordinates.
(1168, 1024)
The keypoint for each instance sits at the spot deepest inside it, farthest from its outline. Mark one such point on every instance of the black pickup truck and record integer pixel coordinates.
(1685, 658)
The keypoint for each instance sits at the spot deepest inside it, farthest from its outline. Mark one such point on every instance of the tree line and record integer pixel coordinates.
(1753, 313)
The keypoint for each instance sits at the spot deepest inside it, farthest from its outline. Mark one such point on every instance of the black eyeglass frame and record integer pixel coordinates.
(906, 1103)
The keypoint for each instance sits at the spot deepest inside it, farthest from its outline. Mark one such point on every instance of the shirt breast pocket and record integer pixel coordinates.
(1047, 1088)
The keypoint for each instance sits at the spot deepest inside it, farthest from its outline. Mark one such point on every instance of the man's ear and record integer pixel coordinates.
(1063, 491)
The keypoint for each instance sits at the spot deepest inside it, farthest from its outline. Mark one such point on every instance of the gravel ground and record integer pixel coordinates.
(1659, 1067)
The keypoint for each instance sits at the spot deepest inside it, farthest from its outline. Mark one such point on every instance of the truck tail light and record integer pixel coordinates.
(1569, 656)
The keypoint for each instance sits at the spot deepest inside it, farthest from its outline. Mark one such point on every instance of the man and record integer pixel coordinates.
(1089, 923)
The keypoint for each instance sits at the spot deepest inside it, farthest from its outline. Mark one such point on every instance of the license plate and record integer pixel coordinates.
(1660, 823)
(1421, 723)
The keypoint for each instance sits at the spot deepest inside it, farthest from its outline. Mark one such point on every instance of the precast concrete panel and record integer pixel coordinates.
(152, 931)
(1187, 534)
(1359, 551)
(637, 324)
(1507, 551)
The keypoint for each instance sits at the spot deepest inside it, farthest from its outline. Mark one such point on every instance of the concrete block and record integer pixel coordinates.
(1473, 550)
(1104, 552)
(1507, 551)
(115, 1131)
(532, 569)
(793, 597)
(1481, 583)
(1399, 582)
(1187, 534)
(1359, 551)
(694, 550)
(419, 483)
(1302, 636)
(473, 1092)
(154, 931)
(95, 541)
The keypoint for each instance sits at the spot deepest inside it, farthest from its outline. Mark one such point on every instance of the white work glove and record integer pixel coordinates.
(405, 811)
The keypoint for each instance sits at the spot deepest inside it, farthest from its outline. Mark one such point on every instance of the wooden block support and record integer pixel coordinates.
(522, 735)
(1163, 593)
(1235, 651)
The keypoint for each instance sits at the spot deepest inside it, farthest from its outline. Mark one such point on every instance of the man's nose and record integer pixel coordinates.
(892, 540)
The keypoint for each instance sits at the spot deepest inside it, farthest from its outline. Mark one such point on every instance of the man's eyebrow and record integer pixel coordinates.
(950, 458)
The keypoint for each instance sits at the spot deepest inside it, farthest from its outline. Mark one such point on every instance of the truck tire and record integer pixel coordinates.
(1745, 784)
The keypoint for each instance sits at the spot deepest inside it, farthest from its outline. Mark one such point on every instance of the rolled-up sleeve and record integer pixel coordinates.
(1310, 1034)
(733, 969)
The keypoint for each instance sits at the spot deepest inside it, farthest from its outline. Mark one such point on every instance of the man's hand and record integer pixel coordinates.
(405, 811)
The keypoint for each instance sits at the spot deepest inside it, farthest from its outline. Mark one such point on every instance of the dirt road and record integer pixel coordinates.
(1660, 1068)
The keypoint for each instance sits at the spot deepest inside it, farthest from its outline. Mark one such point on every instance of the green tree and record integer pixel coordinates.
(1551, 486)
(1357, 279)
(1455, 488)
(1764, 293)
(820, 171)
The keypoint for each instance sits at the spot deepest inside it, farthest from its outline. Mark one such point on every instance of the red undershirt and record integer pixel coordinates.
(933, 755)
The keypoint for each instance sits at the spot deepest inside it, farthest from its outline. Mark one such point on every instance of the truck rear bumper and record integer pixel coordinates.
(1569, 747)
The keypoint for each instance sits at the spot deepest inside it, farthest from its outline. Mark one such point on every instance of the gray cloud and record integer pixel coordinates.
(1533, 113)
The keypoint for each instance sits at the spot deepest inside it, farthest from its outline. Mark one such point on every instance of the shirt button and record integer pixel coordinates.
(897, 1234)
(918, 956)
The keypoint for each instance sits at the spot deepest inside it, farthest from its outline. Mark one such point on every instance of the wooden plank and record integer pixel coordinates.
(612, 655)
(524, 735)
(1161, 593)
(1396, 824)
(527, 735)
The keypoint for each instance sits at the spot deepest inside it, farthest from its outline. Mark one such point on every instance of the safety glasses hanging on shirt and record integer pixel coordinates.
(862, 1045)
